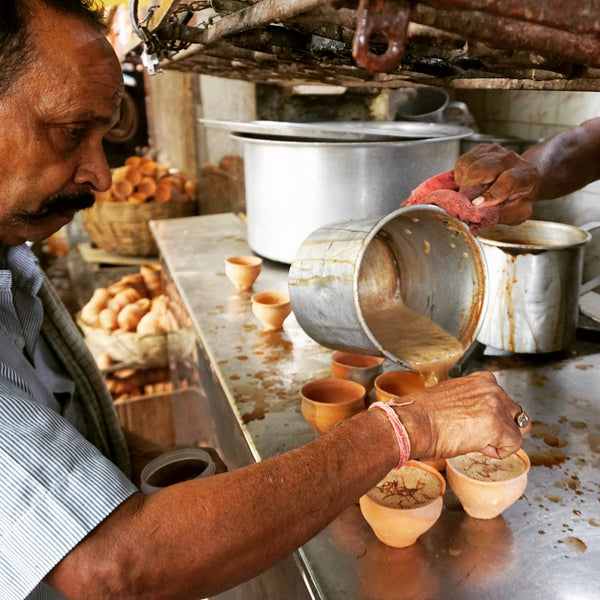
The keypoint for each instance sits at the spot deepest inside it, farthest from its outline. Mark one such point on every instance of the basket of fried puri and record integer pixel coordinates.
(142, 190)
(133, 323)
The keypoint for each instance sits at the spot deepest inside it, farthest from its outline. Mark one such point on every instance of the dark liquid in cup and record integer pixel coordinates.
(176, 472)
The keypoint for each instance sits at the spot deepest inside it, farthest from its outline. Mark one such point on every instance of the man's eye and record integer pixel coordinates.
(68, 137)
(75, 133)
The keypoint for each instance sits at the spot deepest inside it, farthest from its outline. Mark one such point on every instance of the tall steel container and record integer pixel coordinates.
(418, 256)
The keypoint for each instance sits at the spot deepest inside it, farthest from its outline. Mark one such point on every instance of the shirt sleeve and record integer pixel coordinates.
(55, 488)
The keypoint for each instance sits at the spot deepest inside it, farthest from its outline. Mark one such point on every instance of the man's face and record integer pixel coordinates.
(52, 122)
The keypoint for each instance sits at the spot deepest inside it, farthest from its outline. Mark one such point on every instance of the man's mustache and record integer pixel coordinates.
(57, 205)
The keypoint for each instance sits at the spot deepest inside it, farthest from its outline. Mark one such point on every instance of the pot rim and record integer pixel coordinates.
(296, 142)
(515, 230)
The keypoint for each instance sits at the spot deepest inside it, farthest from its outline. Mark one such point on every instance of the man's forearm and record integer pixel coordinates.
(568, 160)
(228, 528)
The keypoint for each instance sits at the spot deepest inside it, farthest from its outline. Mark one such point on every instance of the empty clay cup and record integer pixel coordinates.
(176, 466)
(242, 271)
(328, 401)
(404, 504)
(487, 486)
(394, 384)
(357, 367)
(271, 308)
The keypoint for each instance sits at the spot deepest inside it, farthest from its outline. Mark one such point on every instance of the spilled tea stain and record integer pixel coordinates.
(574, 543)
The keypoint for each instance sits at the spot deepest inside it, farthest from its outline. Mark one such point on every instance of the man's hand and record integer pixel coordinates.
(513, 181)
(457, 416)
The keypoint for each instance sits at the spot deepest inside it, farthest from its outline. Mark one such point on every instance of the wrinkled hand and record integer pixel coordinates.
(457, 416)
(513, 181)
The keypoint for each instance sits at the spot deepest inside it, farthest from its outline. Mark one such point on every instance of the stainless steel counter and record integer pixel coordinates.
(546, 546)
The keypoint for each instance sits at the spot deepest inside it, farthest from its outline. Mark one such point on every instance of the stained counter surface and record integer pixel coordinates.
(547, 545)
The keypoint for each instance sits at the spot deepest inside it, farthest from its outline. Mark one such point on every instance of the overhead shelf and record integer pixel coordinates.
(504, 44)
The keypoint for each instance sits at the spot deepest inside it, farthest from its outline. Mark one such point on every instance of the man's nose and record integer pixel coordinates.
(94, 170)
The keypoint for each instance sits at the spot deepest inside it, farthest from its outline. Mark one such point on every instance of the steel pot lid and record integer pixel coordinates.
(342, 130)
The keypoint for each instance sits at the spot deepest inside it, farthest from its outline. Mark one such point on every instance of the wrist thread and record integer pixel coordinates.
(401, 434)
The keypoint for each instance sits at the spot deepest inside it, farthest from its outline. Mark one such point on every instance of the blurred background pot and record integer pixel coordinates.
(433, 105)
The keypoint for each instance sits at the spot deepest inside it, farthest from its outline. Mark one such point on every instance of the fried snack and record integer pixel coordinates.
(126, 296)
(152, 277)
(129, 316)
(91, 310)
(142, 179)
(107, 319)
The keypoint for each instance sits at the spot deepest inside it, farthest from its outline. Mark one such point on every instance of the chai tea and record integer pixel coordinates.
(408, 487)
(484, 468)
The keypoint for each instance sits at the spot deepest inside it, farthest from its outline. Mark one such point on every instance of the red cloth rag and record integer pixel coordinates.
(443, 191)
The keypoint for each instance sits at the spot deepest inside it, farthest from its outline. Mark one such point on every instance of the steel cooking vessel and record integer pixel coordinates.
(418, 256)
(296, 185)
(534, 284)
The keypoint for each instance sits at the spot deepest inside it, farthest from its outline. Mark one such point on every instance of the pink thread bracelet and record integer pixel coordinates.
(399, 429)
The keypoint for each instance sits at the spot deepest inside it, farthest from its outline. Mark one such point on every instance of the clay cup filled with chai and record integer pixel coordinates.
(404, 504)
(487, 486)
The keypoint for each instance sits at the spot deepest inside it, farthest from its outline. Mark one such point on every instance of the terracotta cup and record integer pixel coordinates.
(404, 504)
(242, 271)
(486, 486)
(328, 401)
(357, 367)
(271, 308)
(394, 384)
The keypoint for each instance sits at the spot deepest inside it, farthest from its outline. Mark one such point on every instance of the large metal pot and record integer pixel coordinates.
(534, 285)
(417, 256)
(294, 186)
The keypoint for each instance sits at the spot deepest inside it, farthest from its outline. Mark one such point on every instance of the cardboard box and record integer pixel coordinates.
(165, 420)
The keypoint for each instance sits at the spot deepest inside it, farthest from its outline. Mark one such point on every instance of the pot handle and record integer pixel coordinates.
(589, 226)
(594, 282)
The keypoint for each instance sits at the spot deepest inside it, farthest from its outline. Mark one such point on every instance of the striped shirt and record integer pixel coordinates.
(55, 486)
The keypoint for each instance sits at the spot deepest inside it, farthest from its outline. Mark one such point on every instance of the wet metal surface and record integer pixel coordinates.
(546, 546)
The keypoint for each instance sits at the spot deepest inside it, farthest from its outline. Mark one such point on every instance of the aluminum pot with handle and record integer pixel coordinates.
(535, 274)
(417, 256)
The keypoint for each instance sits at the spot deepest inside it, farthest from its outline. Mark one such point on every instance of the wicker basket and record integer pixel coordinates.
(138, 351)
(123, 227)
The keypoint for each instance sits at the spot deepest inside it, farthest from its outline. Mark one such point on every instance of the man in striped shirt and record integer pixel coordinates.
(71, 522)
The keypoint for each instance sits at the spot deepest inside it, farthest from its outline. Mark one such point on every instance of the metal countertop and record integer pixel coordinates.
(547, 545)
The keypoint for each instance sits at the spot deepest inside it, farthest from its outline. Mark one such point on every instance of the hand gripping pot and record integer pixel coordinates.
(418, 256)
